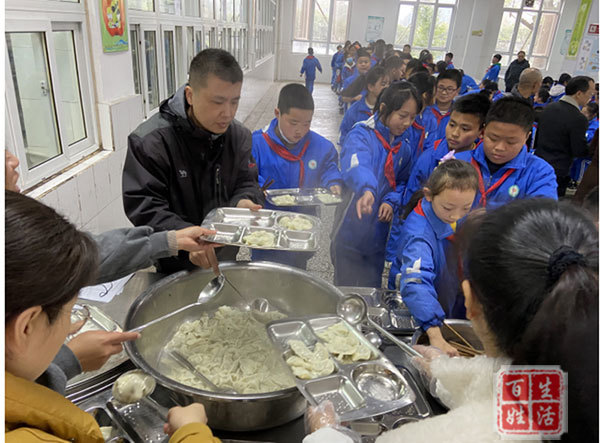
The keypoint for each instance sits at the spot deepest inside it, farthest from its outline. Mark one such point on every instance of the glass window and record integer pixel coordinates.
(28, 60)
(71, 107)
(405, 19)
(229, 7)
(442, 27)
(198, 42)
(141, 5)
(340, 22)
(551, 5)
(301, 19)
(546, 26)
(512, 3)
(207, 9)
(329, 20)
(218, 10)
(170, 63)
(189, 33)
(425, 24)
(192, 8)
(151, 69)
(167, 6)
(507, 27)
(135, 58)
(321, 20)
(525, 31)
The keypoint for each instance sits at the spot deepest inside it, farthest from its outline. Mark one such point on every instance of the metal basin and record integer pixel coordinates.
(289, 289)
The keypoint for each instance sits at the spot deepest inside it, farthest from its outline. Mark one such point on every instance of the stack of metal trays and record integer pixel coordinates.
(302, 197)
(357, 389)
(385, 306)
(234, 226)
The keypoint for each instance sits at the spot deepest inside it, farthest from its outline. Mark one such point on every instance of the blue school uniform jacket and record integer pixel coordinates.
(357, 112)
(349, 79)
(320, 161)
(589, 134)
(310, 65)
(337, 61)
(421, 264)
(436, 121)
(492, 73)
(531, 176)
(362, 162)
(347, 71)
(467, 84)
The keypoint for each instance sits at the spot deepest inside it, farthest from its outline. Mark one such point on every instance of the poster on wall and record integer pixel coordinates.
(374, 28)
(579, 28)
(113, 26)
(587, 58)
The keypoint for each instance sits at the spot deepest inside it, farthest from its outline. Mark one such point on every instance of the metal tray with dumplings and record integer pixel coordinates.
(302, 197)
(234, 225)
(358, 389)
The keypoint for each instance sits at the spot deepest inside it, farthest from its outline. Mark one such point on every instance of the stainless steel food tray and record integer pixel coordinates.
(385, 306)
(233, 224)
(360, 389)
(304, 196)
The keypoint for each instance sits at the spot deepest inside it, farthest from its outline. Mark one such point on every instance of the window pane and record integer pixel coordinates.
(512, 3)
(301, 19)
(167, 6)
(536, 4)
(551, 5)
(207, 9)
(35, 101)
(509, 22)
(447, 2)
(191, 8)
(151, 69)
(135, 58)
(320, 48)
(142, 5)
(198, 41)
(525, 32)
(404, 23)
(237, 10)
(442, 27)
(218, 10)
(73, 123)
(189, 33)
(170, 63)
(423, 26)
(427, 1)
(321, 20)
(538, 62)
(340, 20)
(299, 46)
(545, 34)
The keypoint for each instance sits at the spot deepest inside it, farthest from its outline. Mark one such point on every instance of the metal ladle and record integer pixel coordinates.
(353, 309)
(208, 293)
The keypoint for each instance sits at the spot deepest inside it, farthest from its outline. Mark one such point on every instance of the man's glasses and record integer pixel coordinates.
(446, 90)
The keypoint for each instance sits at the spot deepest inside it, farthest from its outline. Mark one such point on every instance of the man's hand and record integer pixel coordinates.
(336, 189)
(246, 203)
(364, 205)
(181, 416)
(189, 239)
(386, 213)
(94, 348)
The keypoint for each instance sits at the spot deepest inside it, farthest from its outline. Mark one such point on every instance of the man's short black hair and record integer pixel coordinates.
(450, 74)
(217, 62)
(474, 104)
(548, 81)
(513, 110)
(498, 56)
(544, 94)
(564, 79)
(579, 83)
(311, 51)
(406, 45)
(362, 52)
(441, 66)
(294, 95)
(449, 54)
(592, 107)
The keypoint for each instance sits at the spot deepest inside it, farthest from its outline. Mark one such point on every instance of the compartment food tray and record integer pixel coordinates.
(233, 224)
(304, 196)
(359, 389)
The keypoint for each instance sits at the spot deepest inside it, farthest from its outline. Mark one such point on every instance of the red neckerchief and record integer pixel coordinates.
(419, 208)
(284, 153)
(369, 113)
(437, 143)
(438, 115)
(389, 161)
(482, 191)
(418, 127)
(310, 57)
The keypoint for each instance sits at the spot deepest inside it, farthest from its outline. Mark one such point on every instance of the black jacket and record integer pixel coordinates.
(511, 78)
(560, 136)
(175, 173)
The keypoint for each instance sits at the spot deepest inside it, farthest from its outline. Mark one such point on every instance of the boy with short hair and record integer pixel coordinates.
(406, 49)
(309, 68)
(292, 155)
(506, 169)
(494, 70)
(448, 59)
(337, 63)
(436, 116)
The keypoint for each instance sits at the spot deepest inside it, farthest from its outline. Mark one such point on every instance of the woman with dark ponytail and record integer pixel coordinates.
(531, 292)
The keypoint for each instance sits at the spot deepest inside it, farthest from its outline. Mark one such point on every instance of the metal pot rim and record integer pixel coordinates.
(140, 362)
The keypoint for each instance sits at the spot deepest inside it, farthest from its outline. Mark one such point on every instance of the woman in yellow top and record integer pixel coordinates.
(47, 262)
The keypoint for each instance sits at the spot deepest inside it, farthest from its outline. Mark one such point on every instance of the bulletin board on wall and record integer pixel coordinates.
(587, 57)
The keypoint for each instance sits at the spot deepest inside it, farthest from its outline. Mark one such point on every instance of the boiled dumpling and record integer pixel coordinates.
(133, 386)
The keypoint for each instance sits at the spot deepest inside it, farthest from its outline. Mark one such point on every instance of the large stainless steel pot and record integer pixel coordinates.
(290, 289)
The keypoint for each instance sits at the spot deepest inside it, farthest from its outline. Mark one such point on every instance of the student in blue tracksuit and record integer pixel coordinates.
(429, 284)
(590, 110)
(309, 68)
(374, 82)
(467, 83)
(464, 131)
(506, 169)
(363, 64)
(337, 63)
(288, 152)
(494, 70)
(448, 59)
(375, 164)
(447, 85)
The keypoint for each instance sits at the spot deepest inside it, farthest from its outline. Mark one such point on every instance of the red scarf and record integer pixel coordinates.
(438, 115)
(482, 191)
(418, 127)
(389, 161)
(287, 155)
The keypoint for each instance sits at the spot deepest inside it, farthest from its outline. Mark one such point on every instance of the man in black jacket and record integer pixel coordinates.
(192, 156)
(561, 130)
(511, 78)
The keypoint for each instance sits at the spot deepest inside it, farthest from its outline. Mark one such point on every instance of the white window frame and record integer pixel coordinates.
(512, 53)
(71, 20)
(436, 6)
(163, 30)
(311, 19)
(264, 29)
